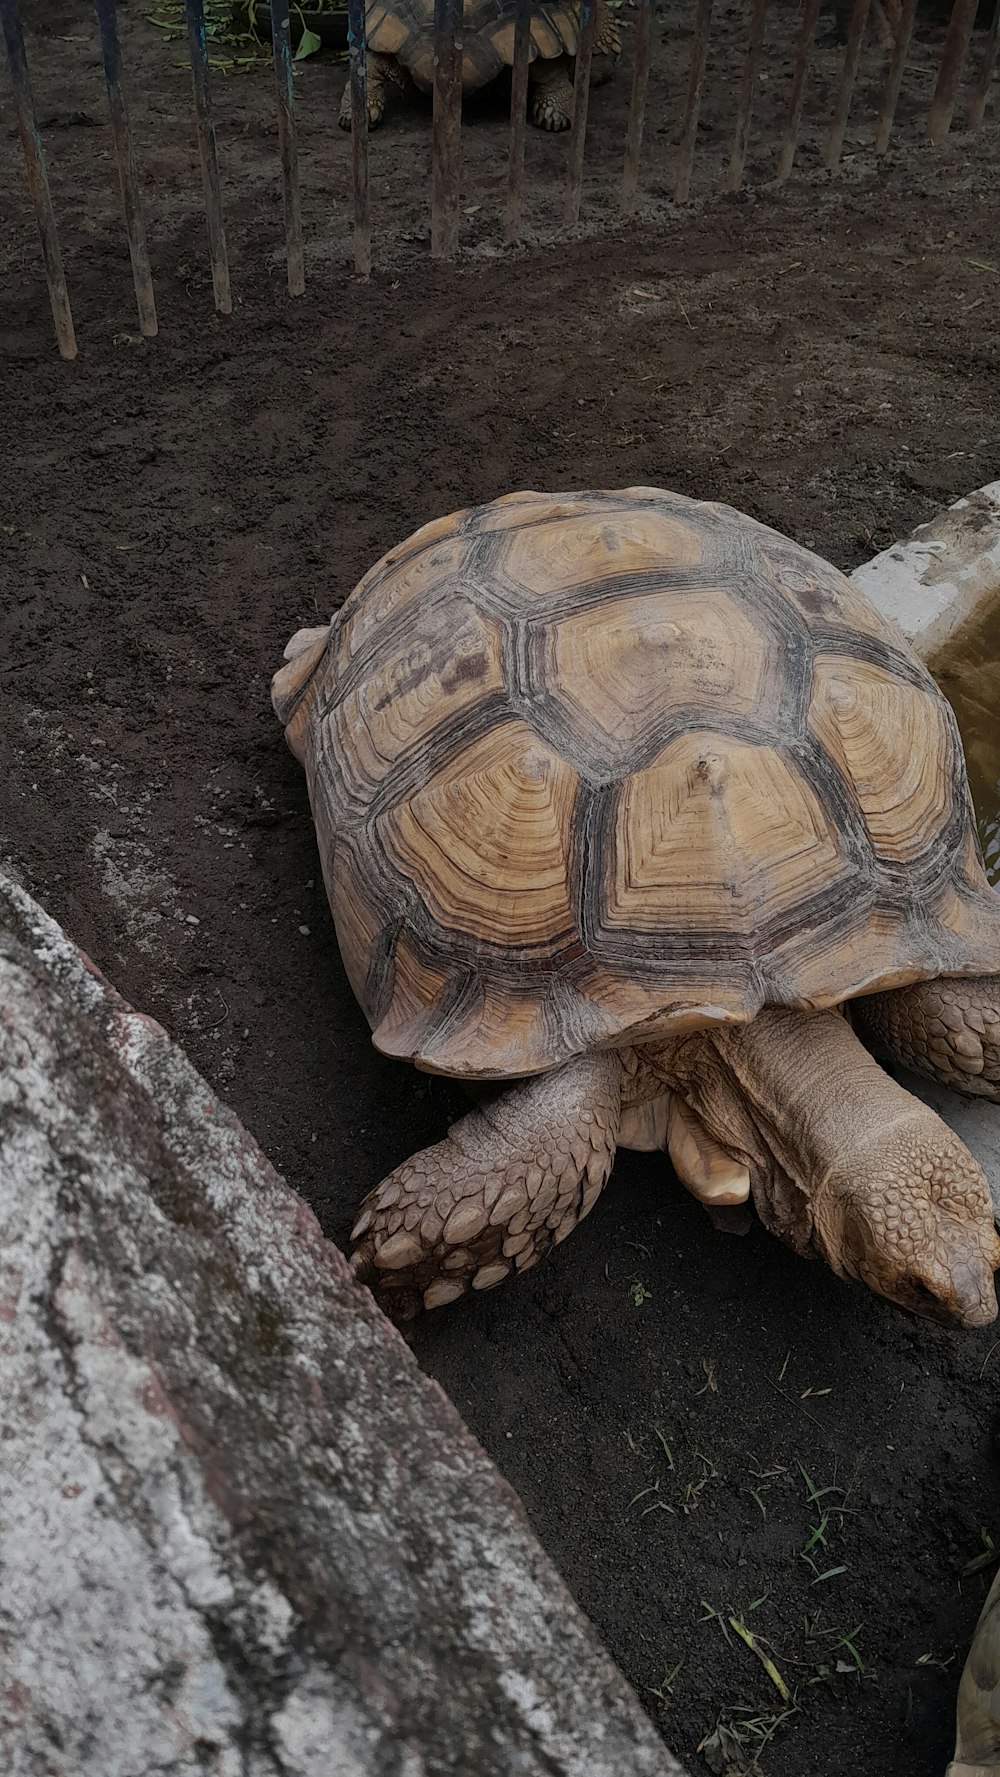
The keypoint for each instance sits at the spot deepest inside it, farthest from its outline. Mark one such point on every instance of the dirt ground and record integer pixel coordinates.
(700, 1427)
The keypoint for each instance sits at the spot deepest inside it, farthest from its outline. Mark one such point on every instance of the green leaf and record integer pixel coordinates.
(831, 1573)
(308, 44)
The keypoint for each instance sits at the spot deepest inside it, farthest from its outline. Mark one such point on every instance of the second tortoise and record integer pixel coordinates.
(399, 38)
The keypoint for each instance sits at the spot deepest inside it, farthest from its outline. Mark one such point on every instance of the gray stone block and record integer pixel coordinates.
(240, 1532)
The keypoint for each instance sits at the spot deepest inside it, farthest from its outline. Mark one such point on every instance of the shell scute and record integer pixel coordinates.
(405, 28)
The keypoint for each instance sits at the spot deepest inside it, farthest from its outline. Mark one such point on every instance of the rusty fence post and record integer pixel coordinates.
(581, 107)
(518, 118)
(977, 110)
(956, 48)
(748, 86)
(38, 183)
(128, 178)
(198, 49)
(359, 137)
(846, 83)
(797, 96)
(281, 43)
(446, 130)
(894, 77)
(692, 107)
(637, 107)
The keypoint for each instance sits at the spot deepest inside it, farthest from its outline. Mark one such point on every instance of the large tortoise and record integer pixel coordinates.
(623, 797)
(399, 37)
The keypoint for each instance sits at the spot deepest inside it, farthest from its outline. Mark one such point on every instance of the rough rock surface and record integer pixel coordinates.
(240, 1532)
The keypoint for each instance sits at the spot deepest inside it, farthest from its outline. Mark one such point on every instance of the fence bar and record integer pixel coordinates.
(894, 78)
(205, 126)
(696, 76)
(637, 107)
(518, 117)
(281, 42)
(956, 48)
(845, 87)
(581, 105)
(38, 184)
(128, 178)
(982, 92)
(359, 137)
(446, 132)
(748, 88)
(800, 73)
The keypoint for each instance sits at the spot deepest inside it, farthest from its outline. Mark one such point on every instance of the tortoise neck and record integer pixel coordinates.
(799, 1086)
(813, 1089)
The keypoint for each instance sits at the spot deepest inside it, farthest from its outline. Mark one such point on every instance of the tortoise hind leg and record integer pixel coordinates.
(383, 73)
(948, 1029)
(511, 1180)
(551, 93)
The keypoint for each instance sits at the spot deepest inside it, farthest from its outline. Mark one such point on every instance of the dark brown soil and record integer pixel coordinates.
(826, 358)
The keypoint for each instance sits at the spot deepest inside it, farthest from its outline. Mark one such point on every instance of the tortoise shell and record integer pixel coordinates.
(405, 29)
(592, 768)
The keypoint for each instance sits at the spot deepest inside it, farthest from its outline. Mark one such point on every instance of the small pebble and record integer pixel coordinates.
(304, 930)
(192, 919)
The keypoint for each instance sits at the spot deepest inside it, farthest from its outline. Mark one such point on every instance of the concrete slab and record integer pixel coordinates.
(931, 585)
(937, 578)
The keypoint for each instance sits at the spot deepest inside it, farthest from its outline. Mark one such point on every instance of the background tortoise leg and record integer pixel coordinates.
(551, 93)
(511, 1180)
(384, 73)
(551, 82)
(977, 1745)
(948, 1029)
(607, 45)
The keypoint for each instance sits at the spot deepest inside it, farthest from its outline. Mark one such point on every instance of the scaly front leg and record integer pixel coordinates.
(511, 1180)
(607, 45)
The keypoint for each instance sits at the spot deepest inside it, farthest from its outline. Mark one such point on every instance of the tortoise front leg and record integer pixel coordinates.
(511, 1180)
(551, 82)
(382, 74)
(607, 45)
(948, 1028)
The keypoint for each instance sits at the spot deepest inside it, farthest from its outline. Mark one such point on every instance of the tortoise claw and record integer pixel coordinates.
(401, 1304)
(362, 1262)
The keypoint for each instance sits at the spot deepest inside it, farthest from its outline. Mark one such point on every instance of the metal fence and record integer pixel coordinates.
(446, 128)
